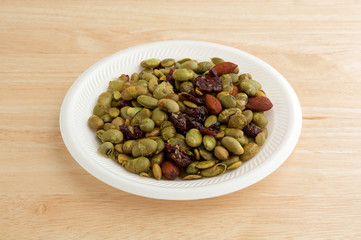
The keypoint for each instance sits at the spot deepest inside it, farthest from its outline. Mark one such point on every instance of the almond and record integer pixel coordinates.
(170, 170)
(224, 67)
(213, 104)
(259, 104)
(234, 91)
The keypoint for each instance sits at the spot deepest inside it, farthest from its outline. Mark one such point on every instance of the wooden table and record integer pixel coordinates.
(46, 45)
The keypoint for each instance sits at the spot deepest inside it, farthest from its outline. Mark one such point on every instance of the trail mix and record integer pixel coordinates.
(184, 119)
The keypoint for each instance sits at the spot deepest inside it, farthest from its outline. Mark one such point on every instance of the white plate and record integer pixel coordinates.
(284, 121)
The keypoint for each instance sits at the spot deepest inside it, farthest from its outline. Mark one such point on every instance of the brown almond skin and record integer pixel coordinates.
(224, 67)
(213, 104)
(170, 170)
(259, 104)
(235, 90)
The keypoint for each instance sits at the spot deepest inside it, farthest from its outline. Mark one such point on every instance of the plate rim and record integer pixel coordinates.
(200, 192)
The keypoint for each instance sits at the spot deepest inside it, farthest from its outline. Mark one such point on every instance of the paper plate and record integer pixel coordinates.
(285, 120)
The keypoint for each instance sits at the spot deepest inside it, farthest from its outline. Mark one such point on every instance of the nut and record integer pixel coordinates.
(234, 91)
(259, 104)
(213, 104)
(170, 170)
(224, 67)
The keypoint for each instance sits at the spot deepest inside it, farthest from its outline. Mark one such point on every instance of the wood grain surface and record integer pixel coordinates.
(46, 45)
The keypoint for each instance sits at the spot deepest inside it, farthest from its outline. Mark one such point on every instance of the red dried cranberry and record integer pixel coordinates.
(130, 132)
(179, 156)
(171, 80)
(193, 98)
(196, 114)
(158, 67)
(123, 103)
(251, 130)
(212, 73)
(215, 126)
(207, 83)
(179, 120)
(169, 76)
(203, 129)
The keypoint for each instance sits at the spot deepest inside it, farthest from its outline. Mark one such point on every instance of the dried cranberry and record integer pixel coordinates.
(213, 73)
(215, 126)
(196, 114)
(176, 153)
(179, 120)
(169, 76)
(123, 103)
(251, 130)
(193, 98)
(158, 67)
(130, 132)
(207, 83)
(203, 129)
(171, 80)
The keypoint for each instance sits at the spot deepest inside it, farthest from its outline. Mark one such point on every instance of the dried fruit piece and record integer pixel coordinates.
(171, 80)
(131, 132)
(203, 129)
(196, 114)
(169, 76)
(123, 103)
(215, 126)
(251, 130)
(213, 104)
(259, 104)
(209, 83)
(192, 98)
(179, 120)
(179, 156)
(224, 67)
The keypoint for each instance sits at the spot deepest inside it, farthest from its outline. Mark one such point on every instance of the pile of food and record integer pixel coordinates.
(183, 118)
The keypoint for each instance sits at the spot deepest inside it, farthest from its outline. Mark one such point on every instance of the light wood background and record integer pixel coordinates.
(46, 45)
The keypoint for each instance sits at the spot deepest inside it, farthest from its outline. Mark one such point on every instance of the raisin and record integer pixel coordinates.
(130, 132)
(179, 156)
(251, 130)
